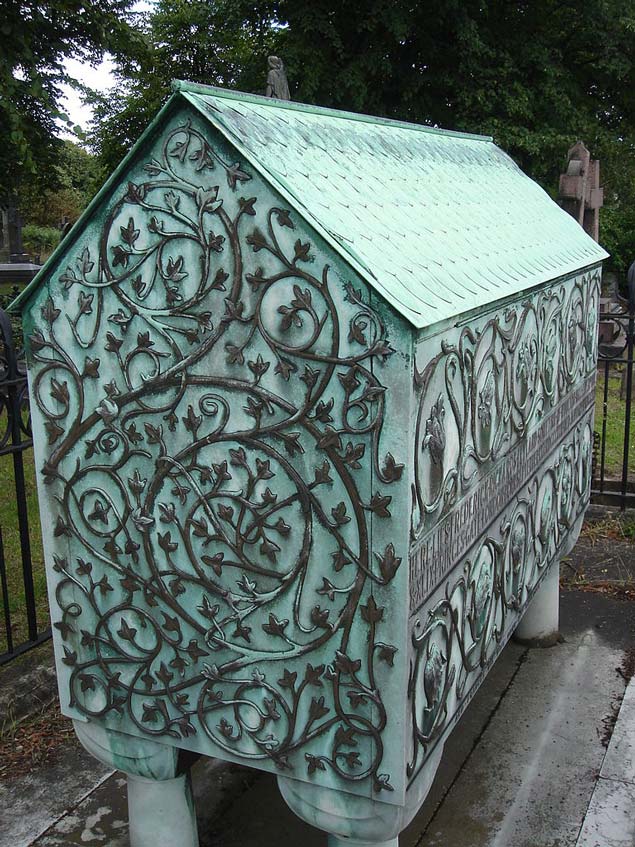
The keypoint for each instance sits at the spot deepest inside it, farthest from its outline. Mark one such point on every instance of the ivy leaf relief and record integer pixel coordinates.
(126, 632)
(314, 763)
(214, 562)
(269, 549)
(129, 233)
(120, 256)
(91, 368)
(49, 312)
(327, 589)
(135, 194)
(275, 626)
(301, 251)
(387, 654)
(288, 679)
(371, 612)
(318, 709)
(257, 240)
(283, 216)
(166, 543)
(392, 471)
(235, 175)
(339, 514)
(258, 368)
(379, 505)
(53, 431)
(247, 206)
(85, 303)
(382, 782)
(174, 269)
(388, 563)
(319, 617)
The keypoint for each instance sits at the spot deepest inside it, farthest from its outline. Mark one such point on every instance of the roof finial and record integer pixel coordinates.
(277, 85)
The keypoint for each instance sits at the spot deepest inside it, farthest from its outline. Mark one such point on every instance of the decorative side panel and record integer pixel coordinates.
(209, 397)
(503, 469)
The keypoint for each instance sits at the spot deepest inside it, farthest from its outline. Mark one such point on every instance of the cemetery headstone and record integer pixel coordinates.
(580, 193)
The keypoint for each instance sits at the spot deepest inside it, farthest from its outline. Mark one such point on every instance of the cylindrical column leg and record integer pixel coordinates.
(334, 841)
(160, 804)
(539, 624)
(161, 813)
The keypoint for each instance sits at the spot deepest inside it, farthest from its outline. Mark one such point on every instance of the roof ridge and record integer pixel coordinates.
(179, 85)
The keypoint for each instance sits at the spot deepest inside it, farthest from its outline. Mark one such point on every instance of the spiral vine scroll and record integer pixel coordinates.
(210, 401)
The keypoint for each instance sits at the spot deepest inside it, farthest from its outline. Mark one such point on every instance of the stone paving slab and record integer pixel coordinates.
(619, 762)
(530, 780)
(102, 816)
(239, 806)
(30, 804)
(610, 821)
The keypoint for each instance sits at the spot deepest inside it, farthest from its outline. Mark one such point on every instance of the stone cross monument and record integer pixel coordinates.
(579, 193)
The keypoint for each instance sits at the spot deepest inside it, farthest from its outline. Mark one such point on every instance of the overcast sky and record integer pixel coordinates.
(99, 78)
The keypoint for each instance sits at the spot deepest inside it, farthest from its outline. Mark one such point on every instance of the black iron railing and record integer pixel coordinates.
(614, 443)
(21, 629)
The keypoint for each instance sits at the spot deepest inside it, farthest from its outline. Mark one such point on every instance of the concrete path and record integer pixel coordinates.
(526, 766)
(610, 818)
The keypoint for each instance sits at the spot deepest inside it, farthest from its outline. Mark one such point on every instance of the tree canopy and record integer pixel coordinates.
(76, 177)
(537, 75)
(38, 36)
(216, 42)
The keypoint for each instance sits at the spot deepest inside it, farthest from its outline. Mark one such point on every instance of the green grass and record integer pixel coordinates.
(615, 422)
(13, 554)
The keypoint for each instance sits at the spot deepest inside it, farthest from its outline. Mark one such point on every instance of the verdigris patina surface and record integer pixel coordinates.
(303, 459)
(502, 473)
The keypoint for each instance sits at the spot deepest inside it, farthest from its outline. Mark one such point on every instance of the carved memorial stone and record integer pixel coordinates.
(579, 190)
(312, 400)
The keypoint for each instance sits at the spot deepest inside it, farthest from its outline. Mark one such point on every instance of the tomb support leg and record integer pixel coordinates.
(334, 841)
(539, 624)
(160, 804)
(351, 820)
(161, 812)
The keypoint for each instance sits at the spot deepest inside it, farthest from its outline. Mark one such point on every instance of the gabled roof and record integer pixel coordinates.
(438, 222)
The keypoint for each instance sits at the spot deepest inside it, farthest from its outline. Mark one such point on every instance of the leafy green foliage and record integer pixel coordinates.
(76, 177)
(216, 42)
(537, 76)
(617, 234)
(38, 36)
(40, 240)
